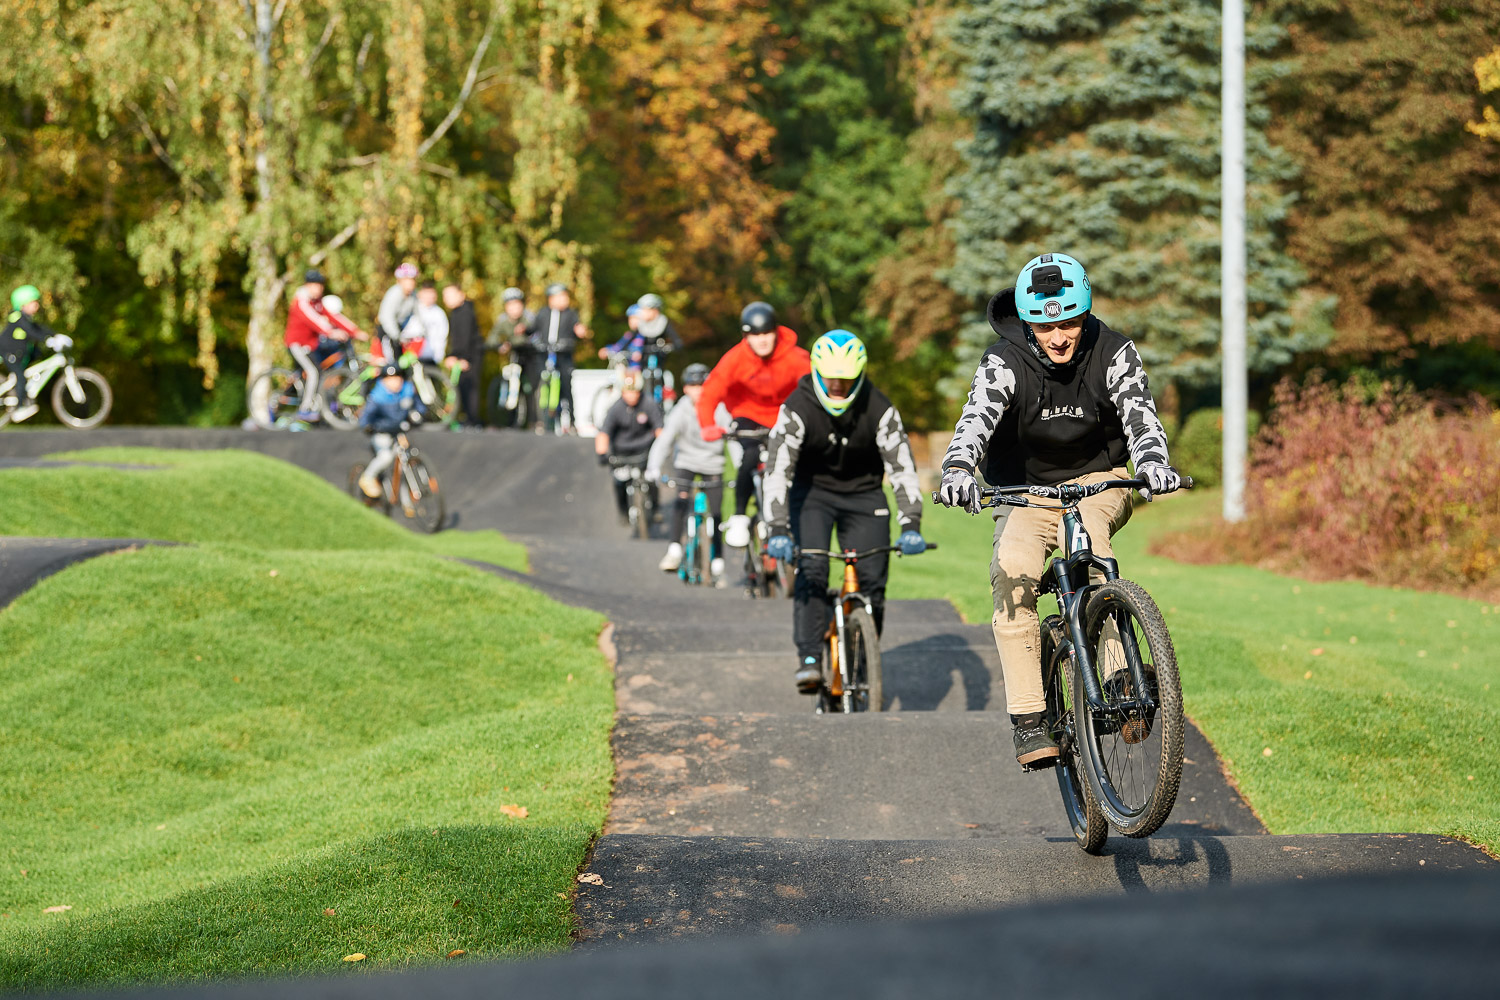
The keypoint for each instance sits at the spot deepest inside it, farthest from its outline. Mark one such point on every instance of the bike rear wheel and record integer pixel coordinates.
(1133, 759)
(419, 493)
(94, 403)
(1084, 815)
(755, 565)
(340, 400)
(275, 397)
(705, 551)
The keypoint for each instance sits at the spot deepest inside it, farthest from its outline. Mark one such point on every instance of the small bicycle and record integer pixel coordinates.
(632, 471)
(81, 397)
(764, 576)
(408, 485)
(697, 552)
(1109, 674)
(852, 678)
(556, 418)
(508, 406)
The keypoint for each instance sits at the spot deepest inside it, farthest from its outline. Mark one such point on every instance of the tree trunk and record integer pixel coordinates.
(268, 285)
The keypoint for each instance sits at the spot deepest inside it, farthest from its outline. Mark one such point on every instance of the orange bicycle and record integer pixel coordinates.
(852, 681)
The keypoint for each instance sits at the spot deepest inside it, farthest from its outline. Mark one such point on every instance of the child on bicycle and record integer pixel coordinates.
(627, 433)
(752, 380)
(835, 439)
(1061, 398)
(393, 407)
(682, 450)
(18, 340)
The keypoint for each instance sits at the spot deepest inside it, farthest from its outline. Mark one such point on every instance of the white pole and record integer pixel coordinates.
(1232, 261)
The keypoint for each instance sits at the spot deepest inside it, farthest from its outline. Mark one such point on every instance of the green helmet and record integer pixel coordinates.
(838, 354)
(24, 296)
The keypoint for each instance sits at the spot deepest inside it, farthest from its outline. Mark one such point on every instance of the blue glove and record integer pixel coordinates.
(780, 547)
(912, 543)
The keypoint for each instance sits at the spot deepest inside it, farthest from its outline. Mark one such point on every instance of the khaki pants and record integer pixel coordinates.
(1024, 539)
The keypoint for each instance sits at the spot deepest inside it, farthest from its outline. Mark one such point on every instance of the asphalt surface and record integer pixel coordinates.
(25, 561)
(738, 812)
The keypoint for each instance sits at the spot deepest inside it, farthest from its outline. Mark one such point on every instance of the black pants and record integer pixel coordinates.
(16, 358)
(682, 508)
(622, 486)
(863, 521)
(744, 476)
(468, 393)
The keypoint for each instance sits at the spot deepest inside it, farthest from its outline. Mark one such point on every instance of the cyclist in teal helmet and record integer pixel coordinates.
(18, 342)
(1060, 398)
(836, 439)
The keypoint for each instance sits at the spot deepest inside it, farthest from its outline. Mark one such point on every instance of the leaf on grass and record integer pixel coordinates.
(358, 956)
(562, 895)
(1318, 651)
(589, 878)
(455, 952)
(519, 812)
(330, 912)
(64, 908)
(273, 573)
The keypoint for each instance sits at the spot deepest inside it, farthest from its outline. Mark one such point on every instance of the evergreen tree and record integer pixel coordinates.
(1097, 134)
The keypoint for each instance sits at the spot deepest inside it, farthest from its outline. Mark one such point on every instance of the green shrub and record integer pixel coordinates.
(1198, 447)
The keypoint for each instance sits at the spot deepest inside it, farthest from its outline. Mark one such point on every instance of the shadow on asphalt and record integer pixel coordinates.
(919, 675)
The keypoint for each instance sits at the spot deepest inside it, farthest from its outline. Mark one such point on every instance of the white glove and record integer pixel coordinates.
(59, 342)
(959, 489)
(1163, 479)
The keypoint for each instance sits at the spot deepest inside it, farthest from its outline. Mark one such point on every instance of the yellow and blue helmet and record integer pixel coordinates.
(838, 354)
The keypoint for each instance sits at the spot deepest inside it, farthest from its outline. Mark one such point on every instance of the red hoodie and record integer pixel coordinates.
(751, 386)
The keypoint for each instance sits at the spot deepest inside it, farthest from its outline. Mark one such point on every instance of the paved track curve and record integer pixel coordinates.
(738, 811)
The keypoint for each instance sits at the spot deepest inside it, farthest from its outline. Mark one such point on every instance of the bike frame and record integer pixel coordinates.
(39, 373)
(687, 571)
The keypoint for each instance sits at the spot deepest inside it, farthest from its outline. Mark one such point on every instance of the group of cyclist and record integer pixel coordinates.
(1058, 398)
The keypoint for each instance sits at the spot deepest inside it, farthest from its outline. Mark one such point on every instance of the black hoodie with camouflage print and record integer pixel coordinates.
(1028, 421)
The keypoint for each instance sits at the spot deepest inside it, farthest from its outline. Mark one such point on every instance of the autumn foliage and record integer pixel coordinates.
(1375, 484)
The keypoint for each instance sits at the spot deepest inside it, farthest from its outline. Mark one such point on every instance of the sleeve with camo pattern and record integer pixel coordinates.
(992, 390)
(900, 468)
(782, 449)
(1144, 434)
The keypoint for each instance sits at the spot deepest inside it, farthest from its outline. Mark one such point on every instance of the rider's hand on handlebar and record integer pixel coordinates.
(713, 433)
(59, 342)
(959, 489)
(912, 543)
(1163, 479)
(780, 547)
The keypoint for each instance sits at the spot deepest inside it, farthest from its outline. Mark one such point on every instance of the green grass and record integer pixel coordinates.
(228, 496)
(204, 748)
(1377, 705)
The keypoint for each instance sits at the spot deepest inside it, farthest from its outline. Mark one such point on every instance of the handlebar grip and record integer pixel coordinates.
(932, 546)
(935, 497)
(1187, 482)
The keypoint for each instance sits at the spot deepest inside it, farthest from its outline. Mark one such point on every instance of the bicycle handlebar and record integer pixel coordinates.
(753, 433)
(848, 556)
(619, 462)
(706, 484)
(1067, 492)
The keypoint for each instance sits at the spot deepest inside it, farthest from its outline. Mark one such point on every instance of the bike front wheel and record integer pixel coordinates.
(421, 499)
(866, 683)
(89, 405)
(705, 552)
(437, 395)
(1132, 754)
(275, 397)
(1090, 828)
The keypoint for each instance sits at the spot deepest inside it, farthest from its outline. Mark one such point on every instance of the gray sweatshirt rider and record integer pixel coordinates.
(681, 444)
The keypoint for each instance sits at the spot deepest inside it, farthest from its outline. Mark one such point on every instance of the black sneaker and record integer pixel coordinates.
(809, 675)
(1035, 748)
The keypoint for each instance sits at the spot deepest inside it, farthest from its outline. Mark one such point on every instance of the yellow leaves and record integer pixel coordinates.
(519, 812)
(61, 908)
(455, 952)
(330, 912)
(358, 956)
(1487, 72)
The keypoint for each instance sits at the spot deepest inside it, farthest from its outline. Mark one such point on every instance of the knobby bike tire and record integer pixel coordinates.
(1134, 781)
(755, 565)
(279, 386)
(93, 414)
(705, 551)
(428, 509)
(862, 648)
(1090, 828)
(643, 510)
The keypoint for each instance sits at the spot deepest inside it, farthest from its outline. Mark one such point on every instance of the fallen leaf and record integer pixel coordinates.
(1307, 676)
(455, 952)
(358, 956)
(455, 904)
(1267, 752)
(589, 878)
(519, 812)
(273, 573)
(161, 826)
(330, 912)
(562, 895)
(1318, 651)
(64, 908)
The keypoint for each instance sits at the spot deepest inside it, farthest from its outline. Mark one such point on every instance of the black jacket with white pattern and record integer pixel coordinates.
(850, 453)
(1027, 423)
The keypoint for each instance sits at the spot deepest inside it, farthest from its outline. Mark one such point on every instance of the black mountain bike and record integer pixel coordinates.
(1109, 672)
(631, 470)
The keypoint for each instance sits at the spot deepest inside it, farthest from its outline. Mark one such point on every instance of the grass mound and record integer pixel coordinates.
(203, 748)
(1338, 707)
(232, 496)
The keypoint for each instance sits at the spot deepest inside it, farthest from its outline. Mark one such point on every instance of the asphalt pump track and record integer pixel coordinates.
(737, 811)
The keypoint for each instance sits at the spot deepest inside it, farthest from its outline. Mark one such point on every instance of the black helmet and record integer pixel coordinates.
(695, 374)
(314, 277)
(757, 317)
(390, 370)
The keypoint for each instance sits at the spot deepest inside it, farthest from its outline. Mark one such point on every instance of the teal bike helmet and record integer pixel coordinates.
(1052, 288)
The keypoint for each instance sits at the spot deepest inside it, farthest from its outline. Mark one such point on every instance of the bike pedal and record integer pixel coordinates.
(1045, 764)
